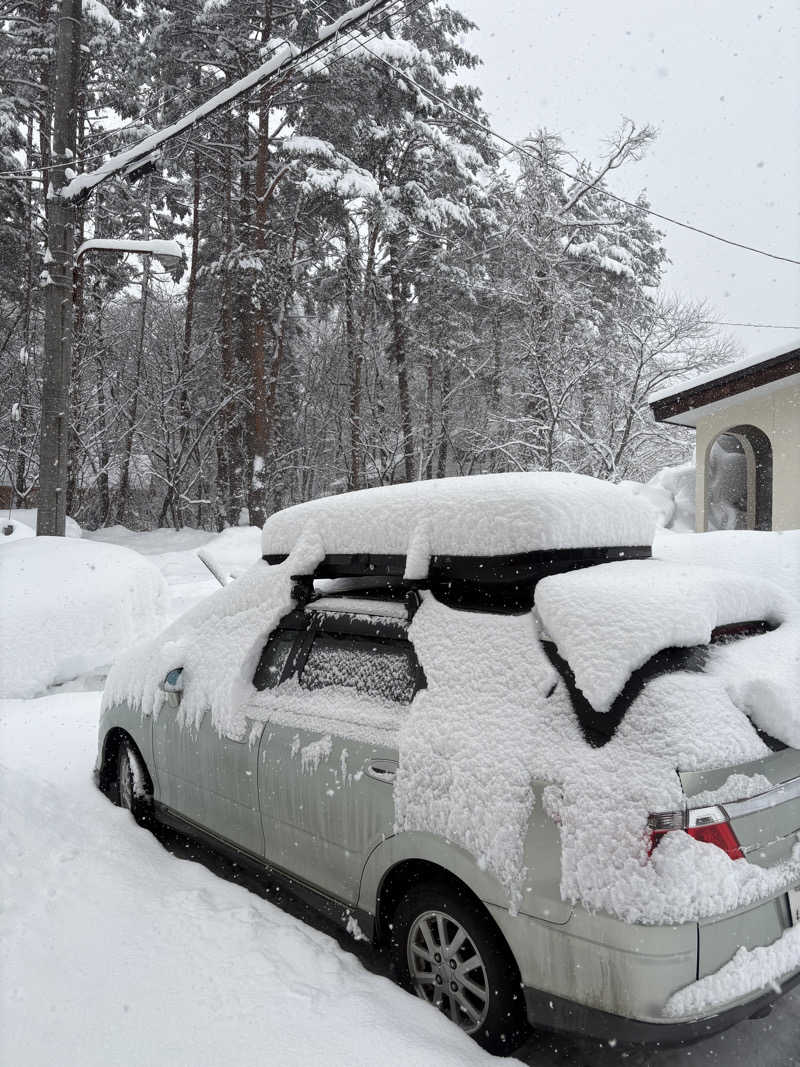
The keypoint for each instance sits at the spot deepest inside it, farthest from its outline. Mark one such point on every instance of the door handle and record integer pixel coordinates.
(382, 770)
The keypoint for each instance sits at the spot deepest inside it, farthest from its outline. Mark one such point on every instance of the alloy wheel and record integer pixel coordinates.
(125, 779)
(447, 970)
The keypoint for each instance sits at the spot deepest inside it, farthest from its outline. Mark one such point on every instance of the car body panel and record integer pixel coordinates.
(767, 825)
(426, 847)
(133, 722)
(210, 778)
(322, 812)
(602, 962)
(721, 937)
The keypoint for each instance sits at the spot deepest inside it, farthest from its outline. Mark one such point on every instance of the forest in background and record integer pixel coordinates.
(372, 292)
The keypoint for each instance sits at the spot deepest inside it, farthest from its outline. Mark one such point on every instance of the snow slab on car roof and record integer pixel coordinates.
(484, 515)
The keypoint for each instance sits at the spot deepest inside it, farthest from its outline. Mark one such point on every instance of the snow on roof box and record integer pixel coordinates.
(487, 515)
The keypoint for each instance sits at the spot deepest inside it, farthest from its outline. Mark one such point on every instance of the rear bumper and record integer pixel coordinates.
(549, 1012)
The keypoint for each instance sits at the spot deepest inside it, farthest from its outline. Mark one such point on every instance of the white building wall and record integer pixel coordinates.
(778, 416)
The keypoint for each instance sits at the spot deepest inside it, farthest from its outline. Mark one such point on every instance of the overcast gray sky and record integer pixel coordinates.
(719, 79)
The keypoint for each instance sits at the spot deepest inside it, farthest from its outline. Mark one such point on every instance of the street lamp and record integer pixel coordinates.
(169, 253)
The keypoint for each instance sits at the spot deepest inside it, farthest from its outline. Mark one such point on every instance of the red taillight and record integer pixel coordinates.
(720, 834)
(704, 824)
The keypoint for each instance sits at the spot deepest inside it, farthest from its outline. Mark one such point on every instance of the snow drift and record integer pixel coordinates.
(70, 606)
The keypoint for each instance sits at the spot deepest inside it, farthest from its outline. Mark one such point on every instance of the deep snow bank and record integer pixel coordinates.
(70, 606)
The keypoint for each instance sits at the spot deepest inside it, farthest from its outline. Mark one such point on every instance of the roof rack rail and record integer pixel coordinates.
(521, 567)
(501, 584)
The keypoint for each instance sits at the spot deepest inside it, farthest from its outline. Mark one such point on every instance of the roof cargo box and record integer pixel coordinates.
(481, 541)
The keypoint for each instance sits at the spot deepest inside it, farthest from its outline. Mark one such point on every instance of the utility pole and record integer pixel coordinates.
(53, 457)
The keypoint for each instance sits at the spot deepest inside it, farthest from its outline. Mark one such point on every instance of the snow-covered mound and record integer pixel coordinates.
(670, 494)
(152, 542)
(484, 515)
(14, 530)
(70, 606)
(767, 554)
(28, 516)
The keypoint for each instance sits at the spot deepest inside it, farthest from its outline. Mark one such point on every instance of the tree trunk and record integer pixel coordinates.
(399, 352)
(51, 518)
(354, 360)
(227, 504)
(441, 469)
(256, 497)
(171, 499)
(105, 454)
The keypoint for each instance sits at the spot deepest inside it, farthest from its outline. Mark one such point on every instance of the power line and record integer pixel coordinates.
(605, 192)
(332, 53)
(282, 66)
(754, 325)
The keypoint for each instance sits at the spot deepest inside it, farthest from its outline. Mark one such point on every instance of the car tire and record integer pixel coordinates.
(436, 931)
(132, 792)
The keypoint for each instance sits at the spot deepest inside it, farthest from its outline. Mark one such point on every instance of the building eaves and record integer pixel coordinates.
(726, 383)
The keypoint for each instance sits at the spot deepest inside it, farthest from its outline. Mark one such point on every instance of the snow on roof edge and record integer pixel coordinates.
(723, 371)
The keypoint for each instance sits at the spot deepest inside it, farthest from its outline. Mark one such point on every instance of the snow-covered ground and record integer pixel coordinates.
(114, 952)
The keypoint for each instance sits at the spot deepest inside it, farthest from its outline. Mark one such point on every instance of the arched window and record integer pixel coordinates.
(739, 480)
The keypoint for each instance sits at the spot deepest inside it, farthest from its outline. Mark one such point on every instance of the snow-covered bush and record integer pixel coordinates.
(70, 606)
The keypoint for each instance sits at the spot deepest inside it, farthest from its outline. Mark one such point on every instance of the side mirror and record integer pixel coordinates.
(172, 686)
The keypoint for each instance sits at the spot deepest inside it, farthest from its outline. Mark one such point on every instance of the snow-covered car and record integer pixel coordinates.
(472, 720)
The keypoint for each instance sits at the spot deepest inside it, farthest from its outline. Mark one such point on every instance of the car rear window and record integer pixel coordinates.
(599, 727)
(386, 669)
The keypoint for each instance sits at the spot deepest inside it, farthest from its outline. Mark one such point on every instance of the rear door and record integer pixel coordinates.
(329, 748)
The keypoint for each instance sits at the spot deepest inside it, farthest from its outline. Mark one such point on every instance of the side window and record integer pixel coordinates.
(273, 659)
(387, 669)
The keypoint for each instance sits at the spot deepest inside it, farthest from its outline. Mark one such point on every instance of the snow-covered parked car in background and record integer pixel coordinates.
(471, 719)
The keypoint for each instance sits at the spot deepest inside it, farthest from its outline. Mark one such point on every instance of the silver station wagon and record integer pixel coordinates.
(305, 785)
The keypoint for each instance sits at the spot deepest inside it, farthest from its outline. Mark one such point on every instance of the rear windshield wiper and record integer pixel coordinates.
(599, 727)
